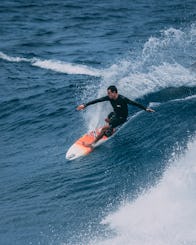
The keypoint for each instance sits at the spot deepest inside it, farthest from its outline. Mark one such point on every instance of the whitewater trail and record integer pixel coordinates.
(55, 65)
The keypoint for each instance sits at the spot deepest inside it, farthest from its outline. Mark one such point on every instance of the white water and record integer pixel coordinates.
(165, 214)
(67, 68)
(55, 65)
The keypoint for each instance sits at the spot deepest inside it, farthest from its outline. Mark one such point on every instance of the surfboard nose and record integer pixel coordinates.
(70, 156)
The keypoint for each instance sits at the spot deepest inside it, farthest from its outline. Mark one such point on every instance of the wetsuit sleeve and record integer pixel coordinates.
(105, 98)
(131, 102)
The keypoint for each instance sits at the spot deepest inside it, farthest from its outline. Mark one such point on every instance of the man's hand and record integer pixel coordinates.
(149, 110)
(80, 107)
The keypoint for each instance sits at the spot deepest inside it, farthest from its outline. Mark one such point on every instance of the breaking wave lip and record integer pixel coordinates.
(165, 214)
(58, 66)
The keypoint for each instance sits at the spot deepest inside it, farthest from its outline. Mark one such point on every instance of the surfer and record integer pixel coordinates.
(118, 116)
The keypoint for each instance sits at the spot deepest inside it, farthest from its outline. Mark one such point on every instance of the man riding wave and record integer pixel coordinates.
(118, 116)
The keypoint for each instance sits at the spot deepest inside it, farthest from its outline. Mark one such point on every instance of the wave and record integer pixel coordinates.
(165, 214)
(58, 66)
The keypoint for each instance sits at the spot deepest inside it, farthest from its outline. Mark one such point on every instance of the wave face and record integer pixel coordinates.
(139, 187)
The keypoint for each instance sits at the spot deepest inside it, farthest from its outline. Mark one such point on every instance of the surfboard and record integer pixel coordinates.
(78, 149)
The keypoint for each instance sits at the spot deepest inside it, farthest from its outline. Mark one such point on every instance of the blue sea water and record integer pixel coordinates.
(139, 187)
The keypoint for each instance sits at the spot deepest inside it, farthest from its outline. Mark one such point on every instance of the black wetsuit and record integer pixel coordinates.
(119, 116)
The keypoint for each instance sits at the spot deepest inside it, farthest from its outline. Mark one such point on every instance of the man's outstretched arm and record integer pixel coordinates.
(131, 102)
(82, 106)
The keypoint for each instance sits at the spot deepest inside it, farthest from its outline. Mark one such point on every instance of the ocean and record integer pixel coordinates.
(139, 187)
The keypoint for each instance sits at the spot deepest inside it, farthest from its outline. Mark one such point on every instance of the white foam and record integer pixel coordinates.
(64, 67)
(169, 38)
(58, 66)
(186, 98)
(13, 59)
(165, 214)
(159, 65)
(158, 77)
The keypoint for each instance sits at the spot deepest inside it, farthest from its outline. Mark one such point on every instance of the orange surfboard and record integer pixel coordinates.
(78, 149)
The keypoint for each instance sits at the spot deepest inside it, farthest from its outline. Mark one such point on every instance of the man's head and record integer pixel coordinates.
(112, 92)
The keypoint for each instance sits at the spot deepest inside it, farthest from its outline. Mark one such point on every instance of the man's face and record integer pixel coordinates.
(112, 95)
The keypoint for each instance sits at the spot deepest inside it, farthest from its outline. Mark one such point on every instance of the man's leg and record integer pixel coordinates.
(99, 136)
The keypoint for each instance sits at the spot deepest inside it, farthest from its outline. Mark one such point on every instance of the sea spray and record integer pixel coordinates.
(164, 214)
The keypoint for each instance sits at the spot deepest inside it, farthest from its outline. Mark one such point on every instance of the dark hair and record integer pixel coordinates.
(113, 88)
